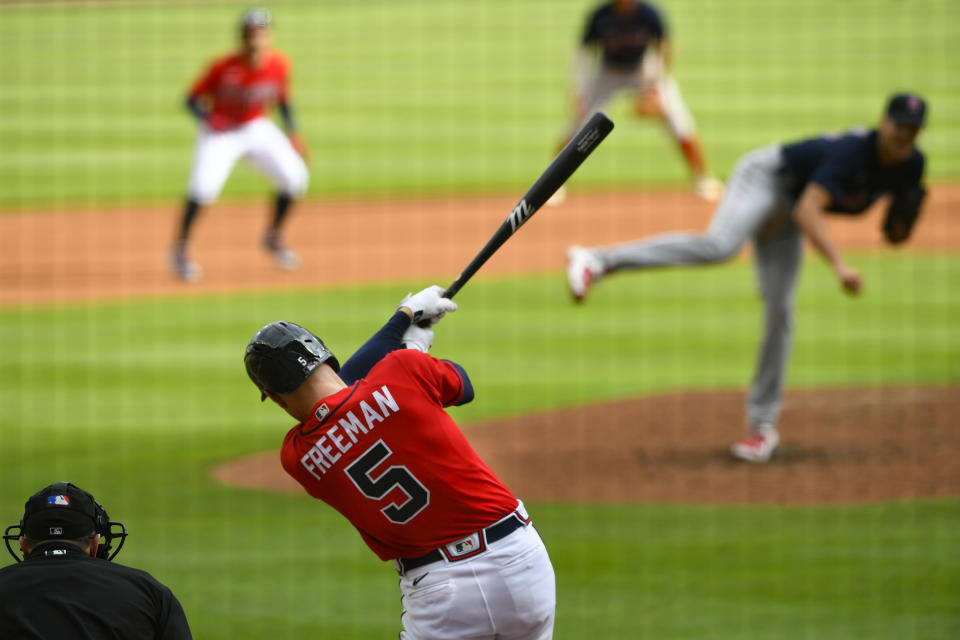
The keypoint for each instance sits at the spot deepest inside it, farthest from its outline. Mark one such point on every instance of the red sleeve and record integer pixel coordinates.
(209, 80)
(290, 461)
(287, 453)
(283, 77)
(440, 377)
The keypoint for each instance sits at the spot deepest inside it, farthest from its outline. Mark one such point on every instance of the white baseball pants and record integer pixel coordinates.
(506, 593)
(261, 143)
(650, 73)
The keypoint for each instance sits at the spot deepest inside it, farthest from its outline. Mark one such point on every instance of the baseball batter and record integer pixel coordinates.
(230, 100)
(626, 48)
(776, 195)
(374, 442)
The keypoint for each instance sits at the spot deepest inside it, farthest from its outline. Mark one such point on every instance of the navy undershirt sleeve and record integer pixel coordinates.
(193, 105)
(384, 341)
(286, 112)
(467, 395)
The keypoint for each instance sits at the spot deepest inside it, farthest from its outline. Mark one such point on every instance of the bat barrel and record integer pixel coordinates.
(567, 161)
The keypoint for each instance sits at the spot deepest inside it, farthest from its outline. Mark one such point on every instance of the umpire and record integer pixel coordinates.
(66, 586)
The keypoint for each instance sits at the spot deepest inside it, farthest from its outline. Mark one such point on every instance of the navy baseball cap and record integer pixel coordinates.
(907, 108)
(59, 511)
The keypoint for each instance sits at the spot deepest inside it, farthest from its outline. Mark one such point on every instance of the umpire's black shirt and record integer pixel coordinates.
(59, 591)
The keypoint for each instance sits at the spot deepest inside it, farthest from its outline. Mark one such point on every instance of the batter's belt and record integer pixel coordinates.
(487, 536)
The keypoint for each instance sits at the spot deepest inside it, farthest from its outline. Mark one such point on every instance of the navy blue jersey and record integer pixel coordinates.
(848, 167)
(624, 37)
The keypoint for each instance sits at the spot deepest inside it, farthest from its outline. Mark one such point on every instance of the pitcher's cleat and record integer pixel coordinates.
(756, 447)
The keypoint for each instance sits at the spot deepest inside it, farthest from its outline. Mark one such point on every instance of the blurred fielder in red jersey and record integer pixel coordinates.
(230, 101)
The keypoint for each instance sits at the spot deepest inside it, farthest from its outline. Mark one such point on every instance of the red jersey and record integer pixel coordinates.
(239, 92)
(385, 454)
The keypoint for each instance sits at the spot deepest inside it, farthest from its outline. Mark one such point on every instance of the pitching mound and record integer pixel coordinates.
(837, 446)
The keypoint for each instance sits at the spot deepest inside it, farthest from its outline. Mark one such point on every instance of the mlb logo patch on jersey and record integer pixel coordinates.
(60, 501)
(322, 411)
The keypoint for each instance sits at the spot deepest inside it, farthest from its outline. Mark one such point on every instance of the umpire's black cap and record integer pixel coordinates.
(281, 355)
(907, 108)
(61, 511)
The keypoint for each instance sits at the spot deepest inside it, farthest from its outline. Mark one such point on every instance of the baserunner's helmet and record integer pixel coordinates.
(281, 355)
(255, 18)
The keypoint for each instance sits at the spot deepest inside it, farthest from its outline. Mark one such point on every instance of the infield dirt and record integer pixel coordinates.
(838, 445)
(91, 255)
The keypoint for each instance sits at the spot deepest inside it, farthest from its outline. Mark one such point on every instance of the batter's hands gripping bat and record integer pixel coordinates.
(572, 156)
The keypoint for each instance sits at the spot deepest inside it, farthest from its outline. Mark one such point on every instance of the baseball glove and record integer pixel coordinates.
(903, 212)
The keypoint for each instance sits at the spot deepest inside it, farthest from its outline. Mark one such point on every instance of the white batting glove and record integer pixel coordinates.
(416, 337)
(427, 305)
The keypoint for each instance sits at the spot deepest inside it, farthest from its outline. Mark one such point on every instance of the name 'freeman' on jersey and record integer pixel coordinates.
(345, 433)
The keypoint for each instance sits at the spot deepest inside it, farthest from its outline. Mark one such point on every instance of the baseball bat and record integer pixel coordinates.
(567, 161)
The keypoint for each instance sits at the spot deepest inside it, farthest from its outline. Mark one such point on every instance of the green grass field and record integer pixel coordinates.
(427, 96)
(136, 400)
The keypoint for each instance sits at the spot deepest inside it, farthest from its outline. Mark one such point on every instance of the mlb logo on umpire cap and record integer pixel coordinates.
(60, 510)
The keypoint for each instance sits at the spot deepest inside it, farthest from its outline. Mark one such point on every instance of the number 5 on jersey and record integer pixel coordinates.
(418, 497)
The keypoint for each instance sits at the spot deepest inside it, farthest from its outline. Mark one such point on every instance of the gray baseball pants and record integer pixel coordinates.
(756, 205)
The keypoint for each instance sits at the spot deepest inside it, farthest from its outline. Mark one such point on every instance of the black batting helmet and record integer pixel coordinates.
(281, 355)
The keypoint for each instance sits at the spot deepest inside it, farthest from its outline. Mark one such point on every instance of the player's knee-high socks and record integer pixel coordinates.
(694, 156)
(281, 208)
(190, 210)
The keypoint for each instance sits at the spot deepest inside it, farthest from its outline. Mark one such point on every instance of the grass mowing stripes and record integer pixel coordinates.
(430, 96)
(137, 400)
